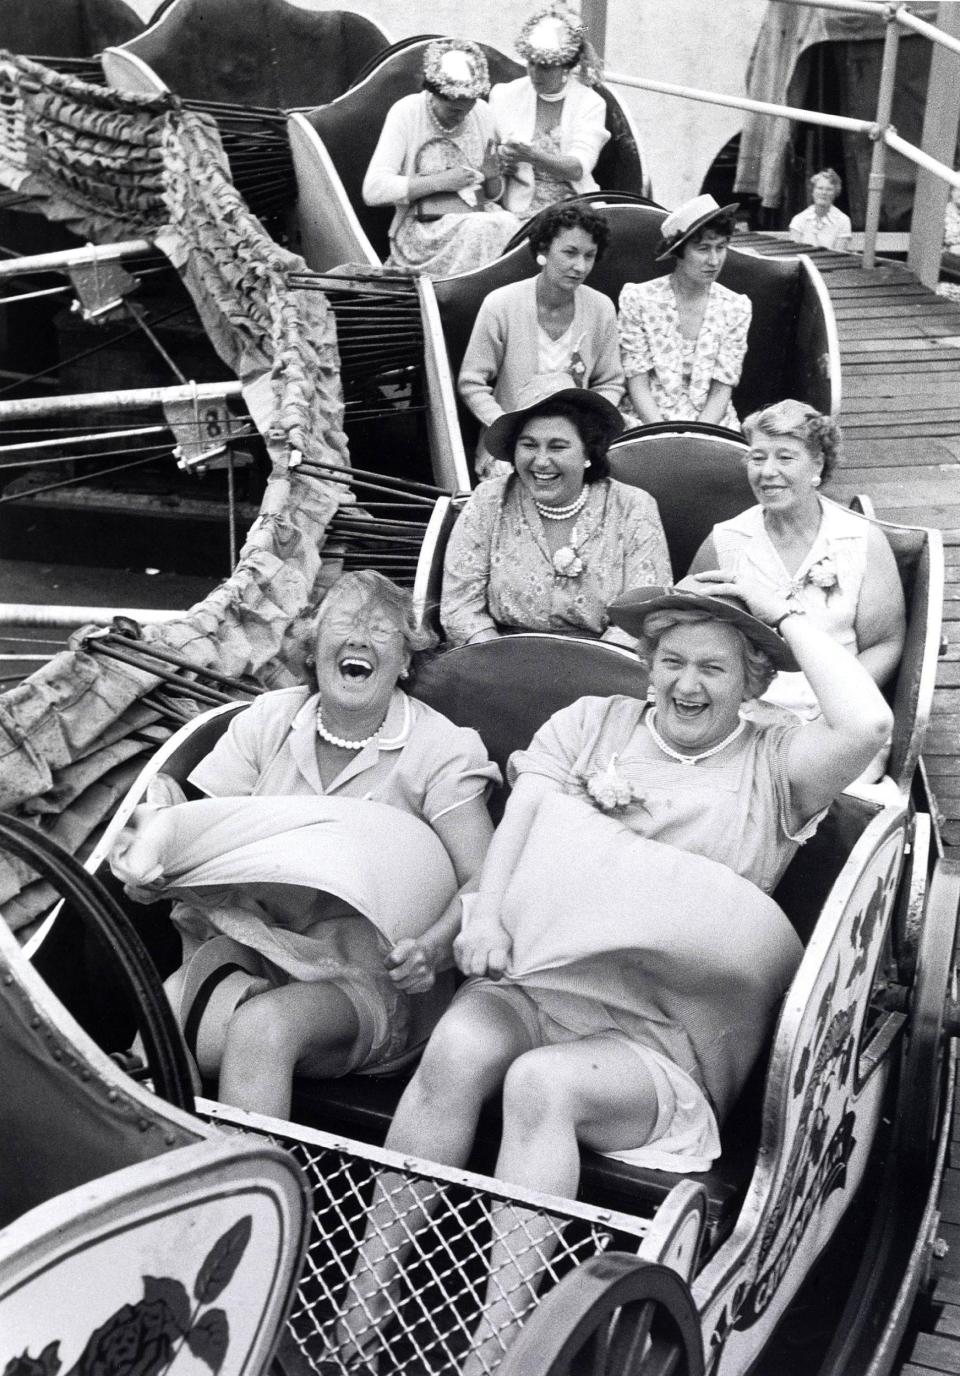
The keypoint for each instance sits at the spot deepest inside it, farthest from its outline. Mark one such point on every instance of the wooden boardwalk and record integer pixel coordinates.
(900, 413)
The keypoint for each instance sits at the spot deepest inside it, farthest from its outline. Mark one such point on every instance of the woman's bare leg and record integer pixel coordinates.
(464, 1063)
(307, 1027)
(595, 1092)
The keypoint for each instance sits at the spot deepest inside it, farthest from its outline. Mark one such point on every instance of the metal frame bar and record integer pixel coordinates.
(880, 131)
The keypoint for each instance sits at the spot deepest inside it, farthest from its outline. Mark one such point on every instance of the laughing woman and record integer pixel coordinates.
(331, 990)
(548, 546)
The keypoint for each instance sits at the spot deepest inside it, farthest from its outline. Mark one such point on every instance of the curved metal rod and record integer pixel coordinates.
(100, 912)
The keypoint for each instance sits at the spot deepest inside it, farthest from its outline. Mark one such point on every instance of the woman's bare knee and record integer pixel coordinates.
(534, 1092)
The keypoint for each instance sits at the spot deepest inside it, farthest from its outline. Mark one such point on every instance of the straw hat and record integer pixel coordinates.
(632, 608)
(682, 223)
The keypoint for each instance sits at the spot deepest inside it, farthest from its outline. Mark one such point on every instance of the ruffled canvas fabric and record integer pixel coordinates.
(114, 166)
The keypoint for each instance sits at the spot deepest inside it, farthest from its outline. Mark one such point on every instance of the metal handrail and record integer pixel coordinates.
(880, 131)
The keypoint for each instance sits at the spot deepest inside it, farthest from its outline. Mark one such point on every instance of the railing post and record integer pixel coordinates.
(939, 139)
(888, 76)
(594, 16)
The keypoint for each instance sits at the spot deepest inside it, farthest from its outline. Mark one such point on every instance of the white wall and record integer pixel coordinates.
(704, 43)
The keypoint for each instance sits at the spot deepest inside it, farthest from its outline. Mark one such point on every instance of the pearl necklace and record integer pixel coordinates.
(447, 130)
(677, 755)
(331, 739)
(562, 513)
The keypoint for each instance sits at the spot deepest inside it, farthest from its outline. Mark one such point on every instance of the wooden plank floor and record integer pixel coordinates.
(900, 413)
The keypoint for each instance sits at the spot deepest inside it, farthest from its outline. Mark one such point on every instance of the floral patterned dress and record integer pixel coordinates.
(455, 242)
(499, 572)
(651, 344)
(547, 189)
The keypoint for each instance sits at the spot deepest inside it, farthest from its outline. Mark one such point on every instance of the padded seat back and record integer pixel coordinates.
(696, 475)
(506, 689)
(261, 52)
(350, 126)
(65, 28)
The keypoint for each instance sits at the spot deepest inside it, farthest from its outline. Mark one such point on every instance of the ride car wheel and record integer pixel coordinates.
(615, 1315)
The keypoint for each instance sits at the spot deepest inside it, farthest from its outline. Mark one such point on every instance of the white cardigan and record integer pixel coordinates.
(583, 133)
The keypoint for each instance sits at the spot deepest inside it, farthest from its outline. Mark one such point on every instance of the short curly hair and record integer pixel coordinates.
(374, 586)
(595, 432)
(545, 227)
(819, 433)
(759, 669)
(827, 174)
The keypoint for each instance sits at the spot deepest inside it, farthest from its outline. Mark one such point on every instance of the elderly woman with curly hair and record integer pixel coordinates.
(832, 564)
(436, 161)
(822, 224)
(548, 324)
(549, 545)
(318, 882)
(625, 955)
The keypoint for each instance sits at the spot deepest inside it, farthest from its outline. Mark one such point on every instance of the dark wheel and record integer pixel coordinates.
(613, 1316)
(921, 1092)
(90, 901)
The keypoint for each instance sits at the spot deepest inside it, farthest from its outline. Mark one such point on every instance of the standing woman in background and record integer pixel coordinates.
(551, 123)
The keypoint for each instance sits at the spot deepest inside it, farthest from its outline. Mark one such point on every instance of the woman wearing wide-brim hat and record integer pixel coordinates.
(626, 958)
(683, 337)
(549, 545)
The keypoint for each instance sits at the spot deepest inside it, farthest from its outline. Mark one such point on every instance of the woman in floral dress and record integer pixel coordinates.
(436, 161)
(683, 337)
(834, 564)
(547, 547)
(551, 123)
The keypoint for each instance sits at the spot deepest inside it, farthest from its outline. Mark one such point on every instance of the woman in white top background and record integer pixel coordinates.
(822, 224)
(551, 124)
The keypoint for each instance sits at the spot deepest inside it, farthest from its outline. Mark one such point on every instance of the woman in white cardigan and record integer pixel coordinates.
(544, 325)
(551, 124)
(437, 162)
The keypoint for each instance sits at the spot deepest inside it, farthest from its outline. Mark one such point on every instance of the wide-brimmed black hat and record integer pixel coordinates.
(681, 224)
(500, 436)
(631, 609)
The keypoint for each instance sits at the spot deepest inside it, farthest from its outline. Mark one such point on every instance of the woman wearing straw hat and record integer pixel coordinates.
(551, 123)
(626, 958)
(436, 162)
(318, 882)
(546, 547)
(683, 337)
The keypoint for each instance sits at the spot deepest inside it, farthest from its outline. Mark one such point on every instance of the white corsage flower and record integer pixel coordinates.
(823, 575)
(611, 791)
(567, 562)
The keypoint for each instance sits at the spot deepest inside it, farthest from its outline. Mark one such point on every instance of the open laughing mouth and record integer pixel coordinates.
(689, 711)
(355, 669)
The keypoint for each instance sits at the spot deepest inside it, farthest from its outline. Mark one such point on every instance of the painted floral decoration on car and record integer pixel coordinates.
(143, 1339)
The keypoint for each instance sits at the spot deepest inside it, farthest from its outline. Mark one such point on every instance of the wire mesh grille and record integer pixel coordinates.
(435, 1232)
